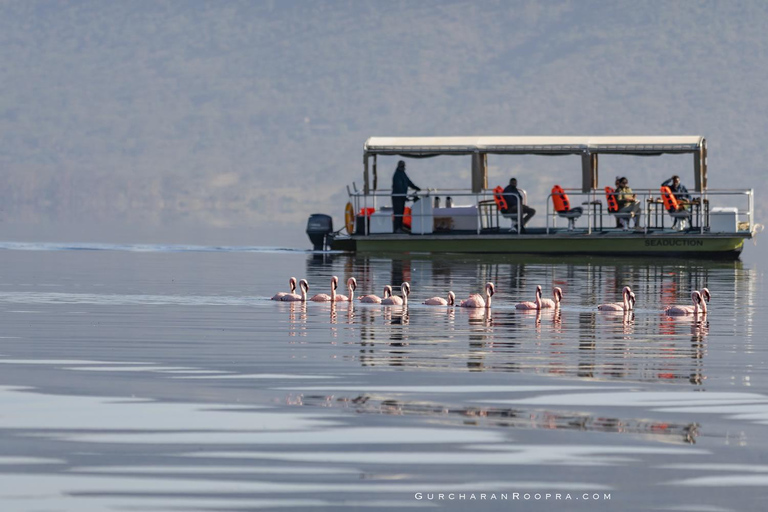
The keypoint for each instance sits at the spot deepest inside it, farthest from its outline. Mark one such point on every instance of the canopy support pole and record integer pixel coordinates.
(700, 167)
(366, 186)
(479, 172)
(588, 171)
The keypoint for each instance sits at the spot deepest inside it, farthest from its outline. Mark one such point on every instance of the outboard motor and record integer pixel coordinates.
(319, 226)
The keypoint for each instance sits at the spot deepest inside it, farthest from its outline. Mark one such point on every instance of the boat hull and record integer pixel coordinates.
(725, 246)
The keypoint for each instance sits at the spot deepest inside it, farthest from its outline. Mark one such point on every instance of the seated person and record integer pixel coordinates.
(679, 191)
(627, 201)
(513, 196)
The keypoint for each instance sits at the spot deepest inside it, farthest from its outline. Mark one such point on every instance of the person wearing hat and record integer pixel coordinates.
(400, 185)
(627, 201)
(513, 197)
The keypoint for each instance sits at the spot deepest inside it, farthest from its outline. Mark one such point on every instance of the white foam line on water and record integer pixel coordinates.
(570, 455)
(723, 481)
(29, 460)
(50, 246)
(123, 300)
(278, 423)
(748, 468)
(449, 389)
(147, 368)
(53, 362)
(261, 376)
(174, 470)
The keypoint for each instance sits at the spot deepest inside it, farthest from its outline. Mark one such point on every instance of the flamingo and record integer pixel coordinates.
(439, 301)
(626, 305)
(295, 297)
(557, 294)
(351, 286)
(705, 297)
(476, 300)
(532, 305)
(324, 297)
(373, 299)
(696, 299)
(394, 300)
(292, 284)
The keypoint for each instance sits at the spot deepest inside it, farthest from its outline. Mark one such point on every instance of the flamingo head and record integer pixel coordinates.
(705, 295)
(334, 282)
(451, 298)
(538, 291)
(697, 297)
(292, 284)
(352, 283)
(490, 289)
(632, 299)
(387, 291)
(406, 288)
(304, 285)
(626, 289)
(558, 294)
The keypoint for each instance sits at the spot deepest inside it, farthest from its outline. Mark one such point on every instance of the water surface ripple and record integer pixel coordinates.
(163, 378)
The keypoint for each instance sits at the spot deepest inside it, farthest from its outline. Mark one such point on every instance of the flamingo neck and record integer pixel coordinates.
(626, 300)
(351, 294)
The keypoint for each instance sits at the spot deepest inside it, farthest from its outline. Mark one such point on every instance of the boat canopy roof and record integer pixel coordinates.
(571, 145)
(587, 147)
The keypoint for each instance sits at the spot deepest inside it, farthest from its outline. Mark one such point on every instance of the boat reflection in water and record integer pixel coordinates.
(574, 340)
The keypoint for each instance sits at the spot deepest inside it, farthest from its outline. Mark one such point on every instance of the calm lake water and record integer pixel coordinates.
(163, 378)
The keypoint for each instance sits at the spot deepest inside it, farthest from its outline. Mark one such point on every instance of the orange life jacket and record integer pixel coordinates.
(610, 197)
(670, 201)
(498, 196)
(407, 217)
(560, 199)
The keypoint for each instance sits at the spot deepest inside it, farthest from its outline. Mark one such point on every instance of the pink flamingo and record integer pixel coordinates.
(476, 300)
(696, 299)
(373, 299)
(557, 294)
(394, 300)
(351, 286)
(705, 297)
(532, 305)
(627, 305)
(292, 284)
(324, 297)
(439, 301)
(295, 297)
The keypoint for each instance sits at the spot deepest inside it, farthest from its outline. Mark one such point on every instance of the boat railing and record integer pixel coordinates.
(486, 212)
(652, 206)
(593, 204)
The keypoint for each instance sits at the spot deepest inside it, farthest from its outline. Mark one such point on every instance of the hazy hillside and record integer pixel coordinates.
(227, 113)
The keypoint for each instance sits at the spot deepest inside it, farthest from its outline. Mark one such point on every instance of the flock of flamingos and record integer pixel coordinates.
(698, 305)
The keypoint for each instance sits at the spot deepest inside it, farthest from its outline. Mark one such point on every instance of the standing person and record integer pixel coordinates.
(617, 184)
(678, 190)
(513, 197)
(400, 185)
(627, 200)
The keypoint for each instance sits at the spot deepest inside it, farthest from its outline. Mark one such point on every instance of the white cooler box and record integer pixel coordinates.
(421, 216)
(723, 220)
(381, 221)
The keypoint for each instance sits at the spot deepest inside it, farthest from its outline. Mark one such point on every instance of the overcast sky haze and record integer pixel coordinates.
(147, 115)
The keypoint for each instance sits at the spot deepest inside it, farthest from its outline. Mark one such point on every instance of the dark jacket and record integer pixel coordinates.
(401, 182)
(680, 192)
(509, 194)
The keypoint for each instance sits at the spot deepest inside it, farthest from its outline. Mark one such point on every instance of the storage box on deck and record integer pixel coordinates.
(723, 220)
(459, 218)
(381, 221)
(421, 217)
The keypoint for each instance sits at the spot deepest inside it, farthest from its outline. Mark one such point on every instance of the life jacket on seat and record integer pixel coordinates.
(560, 199)
(610, 197)
(498, 196)
(671, 204)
